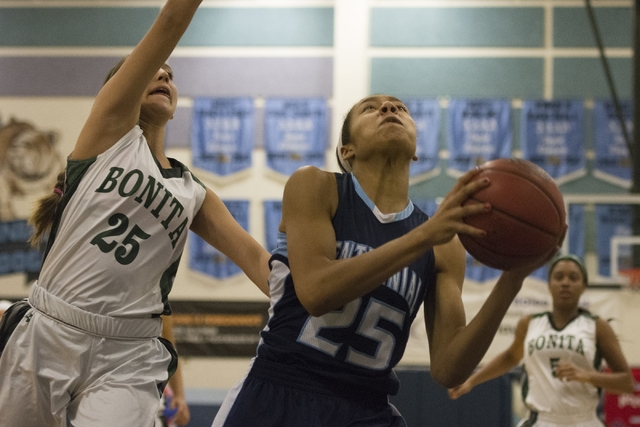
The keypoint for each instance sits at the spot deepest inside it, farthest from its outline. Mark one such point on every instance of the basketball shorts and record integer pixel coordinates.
(259, 402)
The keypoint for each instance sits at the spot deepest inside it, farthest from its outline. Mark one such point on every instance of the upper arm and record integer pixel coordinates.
(308, 205)
(609, 347)
(444, 310)
(215, 224)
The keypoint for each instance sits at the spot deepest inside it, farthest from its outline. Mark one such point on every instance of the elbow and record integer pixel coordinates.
(314, 307)
(448, 378)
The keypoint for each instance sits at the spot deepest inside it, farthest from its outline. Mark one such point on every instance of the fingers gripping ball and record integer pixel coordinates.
(527, 220)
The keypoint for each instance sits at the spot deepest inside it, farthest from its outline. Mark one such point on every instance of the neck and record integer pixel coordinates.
(155, 136)
(562, 316)
(386, 184)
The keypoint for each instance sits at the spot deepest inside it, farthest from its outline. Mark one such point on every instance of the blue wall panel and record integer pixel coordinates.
(458, 77)
(260, 27)
(585, 77)
(74, 26)
(571, 27)
(453, 27)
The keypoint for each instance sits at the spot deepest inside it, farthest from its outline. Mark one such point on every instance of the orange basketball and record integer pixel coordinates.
(527, 220)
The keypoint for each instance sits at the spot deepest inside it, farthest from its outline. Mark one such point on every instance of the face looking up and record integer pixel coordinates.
(380, 122)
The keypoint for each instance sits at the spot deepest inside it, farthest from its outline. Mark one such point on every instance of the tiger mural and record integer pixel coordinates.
(29, 165)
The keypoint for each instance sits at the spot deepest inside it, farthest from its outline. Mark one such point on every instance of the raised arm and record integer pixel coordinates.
(117, 106)
(324, 283)
(619, 380)
(499, 365)
(215, 225)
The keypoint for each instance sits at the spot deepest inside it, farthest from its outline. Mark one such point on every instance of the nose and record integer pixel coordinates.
(163, 75)
(388, 107)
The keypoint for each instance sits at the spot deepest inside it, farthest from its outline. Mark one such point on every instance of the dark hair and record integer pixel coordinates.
(42, 217)
(114, 70)
(345, 138)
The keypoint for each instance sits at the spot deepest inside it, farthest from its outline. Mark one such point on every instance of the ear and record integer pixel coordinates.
(347, 153)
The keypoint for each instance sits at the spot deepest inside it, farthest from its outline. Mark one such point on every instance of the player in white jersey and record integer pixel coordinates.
(561, 351)
(88, 351)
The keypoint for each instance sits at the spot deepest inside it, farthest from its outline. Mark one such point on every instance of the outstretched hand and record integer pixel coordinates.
(449, 218)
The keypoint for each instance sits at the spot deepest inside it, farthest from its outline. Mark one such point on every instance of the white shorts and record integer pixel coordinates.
(53, 373)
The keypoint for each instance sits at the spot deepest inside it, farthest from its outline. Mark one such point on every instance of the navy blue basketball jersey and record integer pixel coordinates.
(350, 351)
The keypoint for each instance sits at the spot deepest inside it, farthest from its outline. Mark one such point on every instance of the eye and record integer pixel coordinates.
(402, 108)
(368, 108)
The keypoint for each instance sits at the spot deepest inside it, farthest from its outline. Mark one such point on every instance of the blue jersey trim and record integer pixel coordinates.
(384, 218)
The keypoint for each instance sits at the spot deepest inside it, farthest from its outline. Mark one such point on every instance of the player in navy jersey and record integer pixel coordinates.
(561, 351)
(355, 261)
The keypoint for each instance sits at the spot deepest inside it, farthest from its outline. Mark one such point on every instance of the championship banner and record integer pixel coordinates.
(206, 259)
(552, 136)
(295, 133)
(612, 162)
(272, 217)
(426, 115)
(478, 131)
(16, 255)
(222, 134)
(612, 220)
(623, 410)
(218, 328)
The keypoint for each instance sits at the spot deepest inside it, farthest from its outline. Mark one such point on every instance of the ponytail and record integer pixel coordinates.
(42, 217)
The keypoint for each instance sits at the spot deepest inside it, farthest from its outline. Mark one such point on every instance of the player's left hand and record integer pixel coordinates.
(570, 372)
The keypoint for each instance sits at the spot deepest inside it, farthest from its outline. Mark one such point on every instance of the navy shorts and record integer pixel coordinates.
(260, 402)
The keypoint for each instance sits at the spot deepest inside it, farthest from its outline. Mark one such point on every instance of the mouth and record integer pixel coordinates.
(161, 90)
(391, 119)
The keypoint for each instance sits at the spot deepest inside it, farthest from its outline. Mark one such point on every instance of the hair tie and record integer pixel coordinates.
(57, 191)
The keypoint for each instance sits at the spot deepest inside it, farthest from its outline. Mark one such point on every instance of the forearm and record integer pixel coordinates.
(467, 346)
(498, 366)
(331, 284)
(613, 382)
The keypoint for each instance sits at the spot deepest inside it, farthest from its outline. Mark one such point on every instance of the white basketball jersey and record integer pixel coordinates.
(123, 225)
(544, 347)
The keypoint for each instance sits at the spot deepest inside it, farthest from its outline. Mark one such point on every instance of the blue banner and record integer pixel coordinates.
(272, 217)
(553, 137)
(426, 115)
(222, 134)
(207, 259)
(16, 255)
(612, 220)
(613, 162)
(295, 133)
(478, 131)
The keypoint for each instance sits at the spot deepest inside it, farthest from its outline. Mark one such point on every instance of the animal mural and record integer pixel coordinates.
(29, 165)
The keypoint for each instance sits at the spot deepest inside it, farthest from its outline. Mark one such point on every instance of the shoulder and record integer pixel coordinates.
(310, 182)
(312, 176)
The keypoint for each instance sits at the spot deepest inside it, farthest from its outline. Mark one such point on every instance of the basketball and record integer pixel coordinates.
(527, 220)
